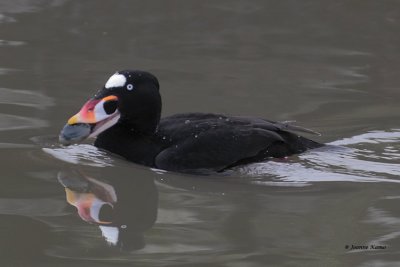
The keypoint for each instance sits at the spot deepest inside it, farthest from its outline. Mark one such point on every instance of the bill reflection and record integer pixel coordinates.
(122, 208)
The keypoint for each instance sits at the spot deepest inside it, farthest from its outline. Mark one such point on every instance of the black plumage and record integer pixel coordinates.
(191, 142)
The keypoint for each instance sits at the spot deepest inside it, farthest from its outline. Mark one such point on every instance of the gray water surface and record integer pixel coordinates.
(333, 66)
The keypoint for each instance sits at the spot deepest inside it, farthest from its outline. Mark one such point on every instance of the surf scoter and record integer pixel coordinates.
(125, 117)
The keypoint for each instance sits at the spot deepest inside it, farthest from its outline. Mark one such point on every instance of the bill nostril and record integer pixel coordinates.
(110, 106)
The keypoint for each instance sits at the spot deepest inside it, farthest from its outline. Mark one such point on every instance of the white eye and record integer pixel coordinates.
(129, 87)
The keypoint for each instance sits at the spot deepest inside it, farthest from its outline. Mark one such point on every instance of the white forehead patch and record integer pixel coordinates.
(117, 80)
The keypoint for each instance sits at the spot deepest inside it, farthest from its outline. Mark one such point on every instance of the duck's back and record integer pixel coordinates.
(213, 142)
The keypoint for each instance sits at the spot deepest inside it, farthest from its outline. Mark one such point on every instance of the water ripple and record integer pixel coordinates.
(369, 157)
(14, 122)
(11, 43)
(82, 154)
(25, 98)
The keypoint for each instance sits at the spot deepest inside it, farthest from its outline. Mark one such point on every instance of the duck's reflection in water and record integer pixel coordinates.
(123, 208)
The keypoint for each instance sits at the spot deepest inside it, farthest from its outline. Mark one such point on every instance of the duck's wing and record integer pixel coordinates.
(289, 126)
(219, 119)
(215, 141)
(277, 125)
(217, 149)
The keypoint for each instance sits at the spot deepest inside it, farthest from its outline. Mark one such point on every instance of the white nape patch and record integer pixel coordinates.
(117, 80)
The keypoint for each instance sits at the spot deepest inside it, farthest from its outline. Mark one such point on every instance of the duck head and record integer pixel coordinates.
(129, 98)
